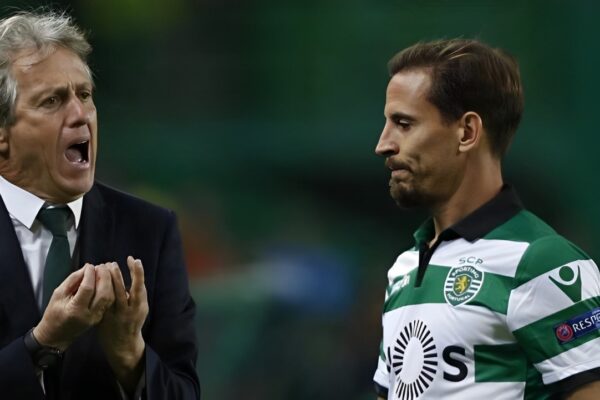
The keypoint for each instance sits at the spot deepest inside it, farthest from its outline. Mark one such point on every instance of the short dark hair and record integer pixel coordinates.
(468, 75)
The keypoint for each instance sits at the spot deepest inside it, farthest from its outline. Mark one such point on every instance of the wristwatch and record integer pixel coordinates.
(43, 356)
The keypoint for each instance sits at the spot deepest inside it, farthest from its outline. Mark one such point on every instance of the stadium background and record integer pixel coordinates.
(256, 121)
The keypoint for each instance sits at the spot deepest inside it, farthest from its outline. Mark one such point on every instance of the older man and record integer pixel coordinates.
(121, 326)
(490, 303)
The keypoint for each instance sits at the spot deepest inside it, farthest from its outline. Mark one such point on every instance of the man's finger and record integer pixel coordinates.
(118, 285)
(137, 292)
(72, 282)
(104, 295)
(85, 291)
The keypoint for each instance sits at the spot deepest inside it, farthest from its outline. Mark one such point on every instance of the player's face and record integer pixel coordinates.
(419, 147)
(50, 149)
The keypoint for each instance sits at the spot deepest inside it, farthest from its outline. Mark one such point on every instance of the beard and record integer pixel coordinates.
(408, 195)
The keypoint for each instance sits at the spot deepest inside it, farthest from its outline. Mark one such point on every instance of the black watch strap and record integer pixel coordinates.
(43, 356)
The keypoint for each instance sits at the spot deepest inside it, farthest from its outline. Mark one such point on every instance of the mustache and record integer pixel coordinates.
(396, 165)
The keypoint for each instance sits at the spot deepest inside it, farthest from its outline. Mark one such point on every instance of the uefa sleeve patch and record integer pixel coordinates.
(577, 327)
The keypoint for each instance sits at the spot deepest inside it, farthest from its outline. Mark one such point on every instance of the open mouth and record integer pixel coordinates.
(78, 152)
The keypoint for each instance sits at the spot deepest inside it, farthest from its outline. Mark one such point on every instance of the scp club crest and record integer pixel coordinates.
(462, 284)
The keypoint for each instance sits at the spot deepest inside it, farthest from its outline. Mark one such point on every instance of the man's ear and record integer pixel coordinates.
(4, 140)
(471, 131)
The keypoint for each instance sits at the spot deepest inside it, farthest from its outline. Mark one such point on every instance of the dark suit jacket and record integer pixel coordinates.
(113, 226)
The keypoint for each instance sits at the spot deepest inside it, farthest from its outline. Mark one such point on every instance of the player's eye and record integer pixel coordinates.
(402, 123)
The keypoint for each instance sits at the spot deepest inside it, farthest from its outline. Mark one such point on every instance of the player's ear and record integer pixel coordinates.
(470, 131)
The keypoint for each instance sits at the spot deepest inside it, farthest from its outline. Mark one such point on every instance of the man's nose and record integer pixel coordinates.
(78, 113)
(386, 146)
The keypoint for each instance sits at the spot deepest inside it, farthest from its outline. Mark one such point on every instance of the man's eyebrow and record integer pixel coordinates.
(401, 115)
(59, 89)
(84, 85)
(47, 90)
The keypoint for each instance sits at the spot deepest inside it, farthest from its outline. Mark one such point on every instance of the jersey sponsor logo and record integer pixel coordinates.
(400, 284)
(569, 281)
(462, 284)
(413, 360)
(577, 327)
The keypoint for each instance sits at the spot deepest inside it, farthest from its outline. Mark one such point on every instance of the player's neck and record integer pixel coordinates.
(480, 184)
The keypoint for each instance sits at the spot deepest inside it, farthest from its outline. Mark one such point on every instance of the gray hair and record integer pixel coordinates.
(39, 32)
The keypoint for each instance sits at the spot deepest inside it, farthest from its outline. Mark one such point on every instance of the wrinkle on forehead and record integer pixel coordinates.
(27, 58)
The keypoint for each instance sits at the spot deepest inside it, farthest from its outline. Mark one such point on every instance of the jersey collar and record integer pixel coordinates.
(505, 205)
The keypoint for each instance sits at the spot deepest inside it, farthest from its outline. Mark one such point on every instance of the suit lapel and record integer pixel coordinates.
(20, 311)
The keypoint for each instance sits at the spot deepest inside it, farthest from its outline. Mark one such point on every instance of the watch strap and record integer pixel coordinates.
(42, 356)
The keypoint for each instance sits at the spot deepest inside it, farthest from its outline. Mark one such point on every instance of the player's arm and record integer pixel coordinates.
(588, 392)
(543, 300)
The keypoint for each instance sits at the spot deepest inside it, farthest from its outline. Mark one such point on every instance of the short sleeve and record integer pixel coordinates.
(381, 378)
(554, 308)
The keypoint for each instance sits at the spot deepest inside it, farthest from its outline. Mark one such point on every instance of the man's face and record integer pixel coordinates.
(420, 148)
(50, 149)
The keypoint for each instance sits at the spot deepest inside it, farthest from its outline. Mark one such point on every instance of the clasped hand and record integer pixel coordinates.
(96, 296)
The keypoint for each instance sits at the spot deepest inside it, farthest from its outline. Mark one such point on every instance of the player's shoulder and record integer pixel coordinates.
(407, 261)
(546, 250)
(522, 227)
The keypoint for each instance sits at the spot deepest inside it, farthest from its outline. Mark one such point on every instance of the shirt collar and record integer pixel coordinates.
(24, 206)
(505, 205)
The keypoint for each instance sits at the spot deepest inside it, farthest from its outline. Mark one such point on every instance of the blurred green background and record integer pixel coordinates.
(257, 120)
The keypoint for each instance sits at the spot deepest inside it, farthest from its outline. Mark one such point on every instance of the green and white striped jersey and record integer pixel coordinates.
(500, 307)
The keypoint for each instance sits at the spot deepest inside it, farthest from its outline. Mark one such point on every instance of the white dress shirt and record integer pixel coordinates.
(34, 238)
